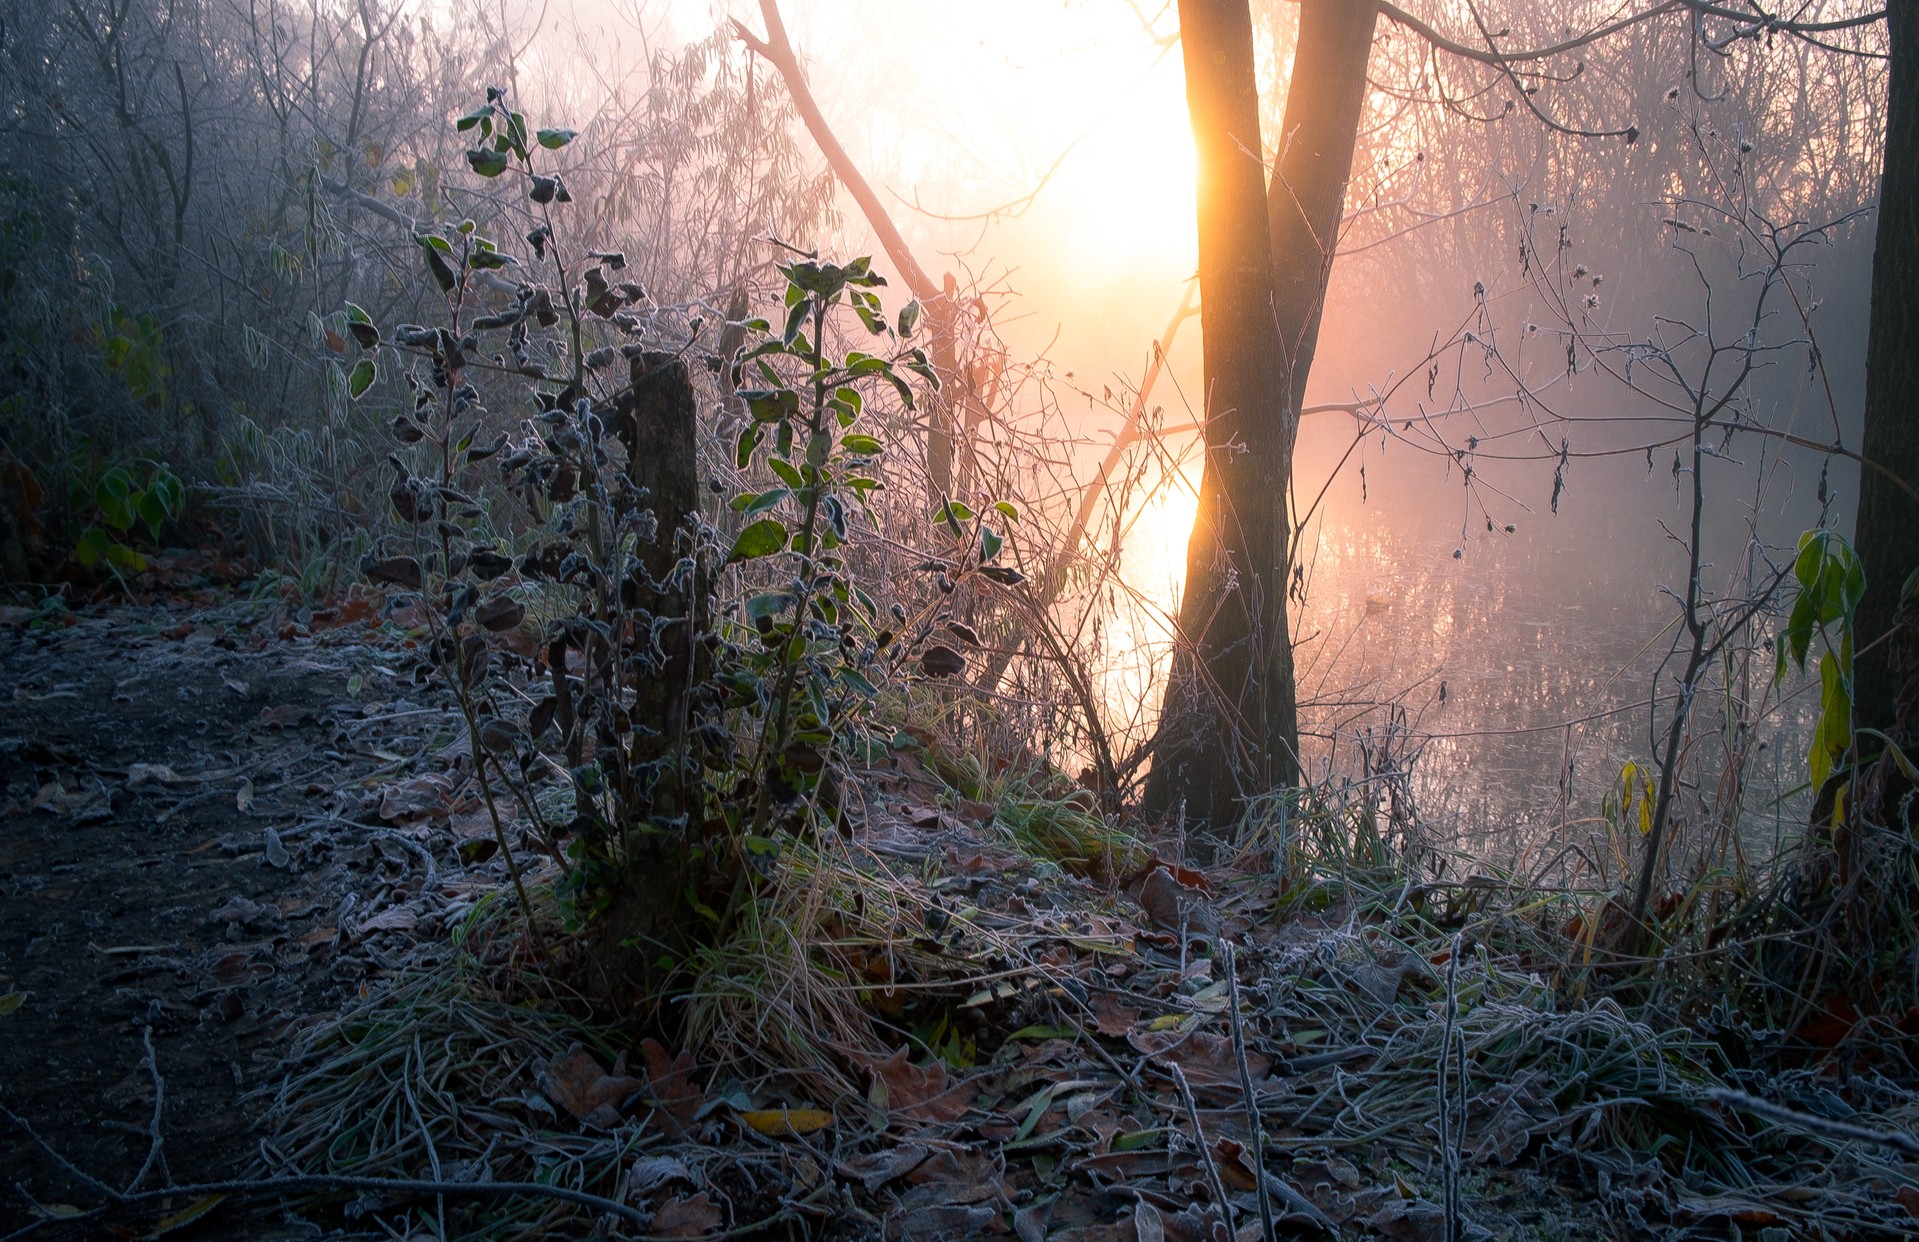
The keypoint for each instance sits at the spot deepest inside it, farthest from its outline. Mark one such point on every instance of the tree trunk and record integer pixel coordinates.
(1886, 534)
(1308, 192)
(650, 915)
(1230, 727)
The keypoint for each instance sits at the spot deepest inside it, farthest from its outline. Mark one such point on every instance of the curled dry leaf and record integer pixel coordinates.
(651, 1172)
(670, 1086)
(939, 660)
(500, 612)
(687, 1218)
(401, 571)
(575, 1081)
(919, 1092)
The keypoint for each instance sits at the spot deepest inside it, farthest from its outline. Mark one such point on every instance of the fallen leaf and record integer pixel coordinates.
(281, 717)
(83, 805)
(651, 1172)
(420, 797)
(1111, 1017)
(940, 1220)
(875, 1170)
(575, 1081)
(787, 1122)
(393, 919)
(670, 1087)
(1205, 1058)
(919, 1093)
(243, 797)
(687, 1218)
(244, 912)
(1172, 905)
(140, 775)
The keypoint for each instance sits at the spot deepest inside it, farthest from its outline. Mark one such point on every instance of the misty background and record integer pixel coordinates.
(223, 170)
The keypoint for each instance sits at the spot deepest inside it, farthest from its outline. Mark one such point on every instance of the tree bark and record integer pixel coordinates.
(1230, 725)
(650, 914)
(1308, 192)
(1886, 533)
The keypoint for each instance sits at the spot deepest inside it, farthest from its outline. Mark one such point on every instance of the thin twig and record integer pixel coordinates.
(85, 1179)
(1448, 1144)
(1824, 1127)
(1246, 1091)
(1214, 1182)
(156, 1142)
(296, 1183)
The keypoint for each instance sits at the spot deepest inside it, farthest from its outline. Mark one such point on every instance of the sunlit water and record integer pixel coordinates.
(1525, 662)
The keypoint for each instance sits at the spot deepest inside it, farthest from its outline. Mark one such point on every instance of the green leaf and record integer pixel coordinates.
(486, 163)
(909, 317)
(769, 604)
(749, 440)
(989, 543)
(361, 379)
(1012, 514)
(554, 139)
(750, 504)
(113, 496)
(770, 405)
(953, 512)
(11, 1001)
(762, 538)
(91, 546)
(1002, 574)
(125, 559)
(435, 247)
(152, 511)
(862, 445)
(473, 118)
(787, 474)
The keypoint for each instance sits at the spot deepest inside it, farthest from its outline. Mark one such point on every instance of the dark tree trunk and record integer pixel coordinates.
(650, 916)
(1308, 193)
(1230, 724)
(1887, 532)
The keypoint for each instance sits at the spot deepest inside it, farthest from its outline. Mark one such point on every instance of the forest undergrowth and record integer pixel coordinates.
(736, 838)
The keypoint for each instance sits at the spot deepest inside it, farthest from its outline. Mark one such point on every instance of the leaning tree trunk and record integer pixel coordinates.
(1887, 531)
(1230, 723)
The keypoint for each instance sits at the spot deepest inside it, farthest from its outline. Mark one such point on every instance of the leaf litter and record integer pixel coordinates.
(934, 1034)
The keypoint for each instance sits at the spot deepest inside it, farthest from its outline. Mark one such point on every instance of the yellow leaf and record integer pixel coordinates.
(10, 1002)
(1168, 1022)
(787, 1122)
(1645, 813)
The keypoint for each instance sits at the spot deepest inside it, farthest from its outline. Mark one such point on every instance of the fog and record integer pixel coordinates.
(1040, 154)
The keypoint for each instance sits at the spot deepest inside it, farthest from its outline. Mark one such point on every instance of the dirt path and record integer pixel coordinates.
(173, 790)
